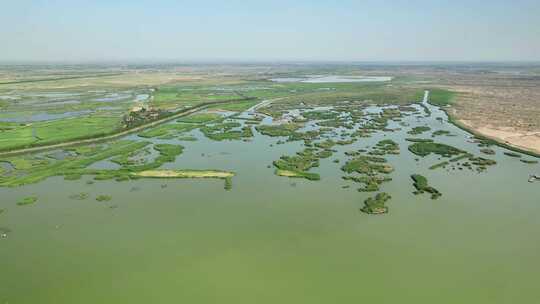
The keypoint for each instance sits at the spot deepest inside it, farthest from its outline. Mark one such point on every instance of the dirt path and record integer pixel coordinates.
(262, 104)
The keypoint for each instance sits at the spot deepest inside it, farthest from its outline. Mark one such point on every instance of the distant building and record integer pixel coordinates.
(140, 114)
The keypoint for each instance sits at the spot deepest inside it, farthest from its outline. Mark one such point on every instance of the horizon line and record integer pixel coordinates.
(258, 61)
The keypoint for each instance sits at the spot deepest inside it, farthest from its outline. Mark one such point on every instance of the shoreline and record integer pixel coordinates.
(495, 140)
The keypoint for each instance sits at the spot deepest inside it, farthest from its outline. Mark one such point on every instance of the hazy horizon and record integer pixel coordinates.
(63, 31)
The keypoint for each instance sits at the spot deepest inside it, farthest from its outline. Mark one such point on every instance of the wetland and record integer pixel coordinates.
(355, 182)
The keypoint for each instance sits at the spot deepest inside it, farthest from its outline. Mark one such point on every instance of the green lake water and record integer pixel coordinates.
(277, 240)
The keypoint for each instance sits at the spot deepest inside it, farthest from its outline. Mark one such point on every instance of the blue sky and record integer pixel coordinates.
(99, 30)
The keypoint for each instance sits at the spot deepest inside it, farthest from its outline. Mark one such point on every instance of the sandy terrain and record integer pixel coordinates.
(524, 140)
(509, 113)
(287, 173)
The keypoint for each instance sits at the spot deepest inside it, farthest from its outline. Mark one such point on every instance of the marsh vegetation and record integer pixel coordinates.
(427, 148)
(320, 117)
(103, 198)
(27, 201)
(377, 204)
(421, 185)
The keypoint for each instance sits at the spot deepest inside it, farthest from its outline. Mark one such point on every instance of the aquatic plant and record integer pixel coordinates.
(320, 115)
(427, 111)
(441, 132)
(345, 142)
(386, 146)
(27, 201)
(72, 166)
(300, 174)
(480, 161)
(367, 165)
(426, 148)
(371, 183)
(460, 157)
(277, 130)
(419, 130)
(72, 176)
(298, 165)
(307, 136)
(421, 185)
(327, 144)
(79, 196)
(419, 140)
(228, 183)
(4, 232)
(324, 154)
(103, 198)
(439, 165)
(484, 142)
(187, 138)
(225, 131)
(512, 154)
(376, 205)
(488, 151)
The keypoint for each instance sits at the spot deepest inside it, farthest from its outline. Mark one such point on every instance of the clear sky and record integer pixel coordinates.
(232, 30)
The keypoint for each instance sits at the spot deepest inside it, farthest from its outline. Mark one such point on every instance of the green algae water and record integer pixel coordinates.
(273, 239)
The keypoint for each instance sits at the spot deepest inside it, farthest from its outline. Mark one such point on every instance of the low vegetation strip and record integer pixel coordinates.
(299, 174)
(185, 174)
(61, 78)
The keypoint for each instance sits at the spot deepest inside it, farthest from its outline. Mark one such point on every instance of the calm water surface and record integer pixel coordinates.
(277, 240)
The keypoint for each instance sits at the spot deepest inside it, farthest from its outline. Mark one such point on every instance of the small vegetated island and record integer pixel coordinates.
(426, 148)
(79, 196)
(298, 165)
(27, 201)
(440, 133)
(419, 130)
(376, 205)
(103, 198)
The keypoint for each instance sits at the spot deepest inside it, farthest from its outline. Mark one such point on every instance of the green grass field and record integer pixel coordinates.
(200, 118)
(440, 97)
(57, 131)
(176, 97)
(236, 107)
